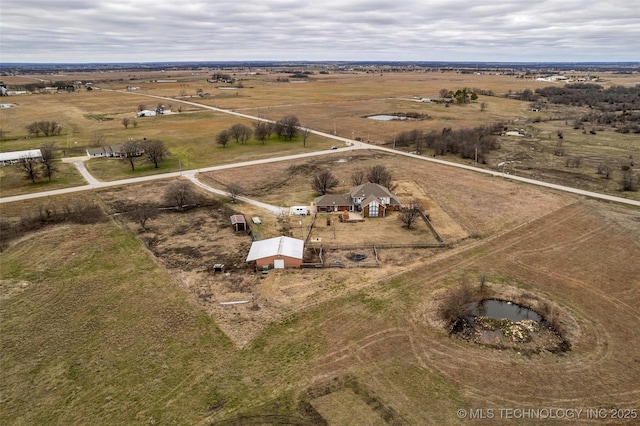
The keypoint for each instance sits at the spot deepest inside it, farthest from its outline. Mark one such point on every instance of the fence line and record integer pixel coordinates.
(433, 230)
(376, 245)
(313, 222)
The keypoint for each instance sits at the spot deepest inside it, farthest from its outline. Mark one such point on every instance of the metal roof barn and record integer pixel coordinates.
(278, 252)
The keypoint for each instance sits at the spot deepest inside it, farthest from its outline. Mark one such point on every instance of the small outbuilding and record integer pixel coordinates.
(238, 222)
(147, 113)
(279, 253)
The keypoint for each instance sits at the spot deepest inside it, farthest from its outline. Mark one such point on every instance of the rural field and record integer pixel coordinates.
(105, 321)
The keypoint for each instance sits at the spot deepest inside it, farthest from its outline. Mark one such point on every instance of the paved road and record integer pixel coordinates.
(93, 183)
(351, 144)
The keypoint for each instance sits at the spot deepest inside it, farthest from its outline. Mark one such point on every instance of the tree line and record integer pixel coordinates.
(286, 128)
(614, 98)
(79, 212)
(473, 143)
(46, 128)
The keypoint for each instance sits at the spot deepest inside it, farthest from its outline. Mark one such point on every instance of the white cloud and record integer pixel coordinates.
(427, 30)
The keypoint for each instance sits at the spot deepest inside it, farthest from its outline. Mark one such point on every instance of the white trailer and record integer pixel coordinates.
(299, 211)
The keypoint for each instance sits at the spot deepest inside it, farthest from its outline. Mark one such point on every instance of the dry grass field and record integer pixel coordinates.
(108, 324)
(336, 103)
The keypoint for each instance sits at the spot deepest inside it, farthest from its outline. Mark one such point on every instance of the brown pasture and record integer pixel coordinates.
(336, 103)
(327, 343)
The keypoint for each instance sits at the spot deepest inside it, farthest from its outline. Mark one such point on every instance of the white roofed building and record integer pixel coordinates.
(14, 157)
(279, 253)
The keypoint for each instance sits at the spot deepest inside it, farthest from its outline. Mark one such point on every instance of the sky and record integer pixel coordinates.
(83, 31)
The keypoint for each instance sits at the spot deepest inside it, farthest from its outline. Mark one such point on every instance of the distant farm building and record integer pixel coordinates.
(279, 253)
(14, 157)
(238, 222)
(147, 113)
(110, 151)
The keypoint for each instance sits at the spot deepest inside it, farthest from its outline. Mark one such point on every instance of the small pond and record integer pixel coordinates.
(500, 309)
(385, 117)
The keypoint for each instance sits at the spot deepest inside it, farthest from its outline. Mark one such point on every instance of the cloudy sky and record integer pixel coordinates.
(348, 30)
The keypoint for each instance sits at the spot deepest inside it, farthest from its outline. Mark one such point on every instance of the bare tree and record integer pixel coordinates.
(455, 305)
(135, 123)
(240, 132)
(573, 162)
(305, 133)
(630, 182)
(223, 138)
(324, 182)
(97, 139)
(484, 106)
(33, 129)
(262, 130)
(409, 213)
(179, 194)
(444, 93)
(47, 128)
(28, 166)
(125, 122)
(131, 150)
(142, 107)
(47, 163)
(605, 170)
(358, 177)
(288, 127)
(380, 175)
(233, 191)
(155, 151)
(142, 214)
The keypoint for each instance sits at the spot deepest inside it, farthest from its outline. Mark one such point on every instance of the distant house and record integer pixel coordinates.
(14, 157)
(110, 151)
(147, 113)
(371, 199)
(238, 222)
(279, 253)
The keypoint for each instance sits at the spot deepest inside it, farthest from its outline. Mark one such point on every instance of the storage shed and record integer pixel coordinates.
(279, 253)
(238, 222)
